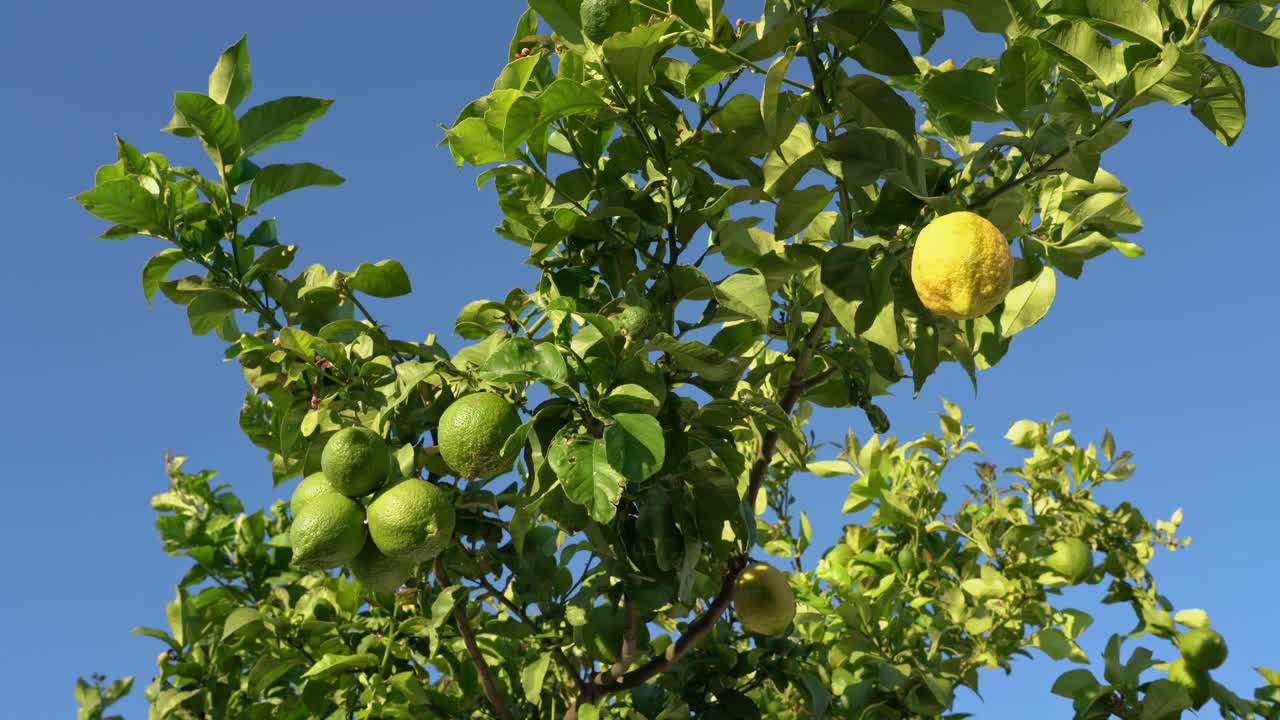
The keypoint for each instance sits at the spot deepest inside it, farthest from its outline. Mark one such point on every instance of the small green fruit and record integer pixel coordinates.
(312, 486)
(1195, 681)
(328, 532)
(1202, 648)
(472, 432)
(378, 572)
(763, 600)
(355, 461)
(602, 18)
(1071, 558)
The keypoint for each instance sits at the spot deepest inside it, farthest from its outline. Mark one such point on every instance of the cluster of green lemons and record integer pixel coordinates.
(350, 514)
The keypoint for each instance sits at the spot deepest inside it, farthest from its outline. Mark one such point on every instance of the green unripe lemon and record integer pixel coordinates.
(472, 432)
(411, 521)
(1071, 558)
(603, 634)
(763, 600)
(311, 486)
(378, 572)
(355, 461)
(1202, 648)
(1195, 681)
(602, 18)
(635, 323)
(961, 266)
(328, 532)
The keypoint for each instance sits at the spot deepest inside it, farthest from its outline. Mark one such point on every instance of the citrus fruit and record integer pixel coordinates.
(311, 486)
(472, 432)
(763, 599)
(1202, 648)
(378, 572)
(961, 267)
(411, 520)
(1195, 681)
(635, 322)
(327, 532)
(604, 631)
(602, 18)
(1071, 558)
(355, 461)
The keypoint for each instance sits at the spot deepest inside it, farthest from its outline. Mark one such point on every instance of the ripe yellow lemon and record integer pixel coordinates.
(355, 461)
(378, 572)
(763, 599)
(472, 432)
(411, 520)
(961, 267)
(1202, 648)
(328, 532)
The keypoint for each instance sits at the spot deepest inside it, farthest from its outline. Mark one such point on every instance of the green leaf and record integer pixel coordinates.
(532, 675)
(635, 446)
(1219, 105)
(268, 670)
(125, 201)
(279, 120)
(867, 101)
(275, 180)
(745, 294)
(868, 154)
(989, 585)
(1073, 683)
(1164, 699)
(520, 359)
(769, 95)
(967, 94)
(630, 56)
(240, 619)
(214, 123)
(210, 308)
(1131, 20)
(798, 208)
(861, 296)
(384, 279)
(1251, 31)
(1083, 51)
(331, 664)
(696, 357)
(583, 468)
(562, 16)
(1028, 302)
(157, 268)
(1020, 90)
(230, 81)
(870, 41)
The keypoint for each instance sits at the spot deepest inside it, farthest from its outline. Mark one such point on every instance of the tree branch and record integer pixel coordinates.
(514, 609)
(469, 639)
(701, 626)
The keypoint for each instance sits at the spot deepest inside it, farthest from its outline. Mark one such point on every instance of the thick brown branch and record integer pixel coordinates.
(469, 639)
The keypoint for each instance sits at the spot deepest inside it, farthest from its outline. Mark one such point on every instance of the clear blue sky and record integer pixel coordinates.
(1174, 352)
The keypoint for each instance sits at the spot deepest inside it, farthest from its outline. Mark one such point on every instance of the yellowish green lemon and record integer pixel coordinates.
(378, 572)
(1202, 648)
(1195, 681)
(328, 532)
(311, 486)
(602, 18)
(961, 266)
(763, 600)
(472, 432)
(411, 521)
(356, 461)
(1071, 558)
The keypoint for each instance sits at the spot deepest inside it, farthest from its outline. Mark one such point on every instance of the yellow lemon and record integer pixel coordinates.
(763, 600)
(961, 267)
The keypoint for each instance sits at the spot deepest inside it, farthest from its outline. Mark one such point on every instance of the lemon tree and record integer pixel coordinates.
(580, 502)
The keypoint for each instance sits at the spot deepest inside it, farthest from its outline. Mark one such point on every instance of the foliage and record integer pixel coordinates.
(656, 458)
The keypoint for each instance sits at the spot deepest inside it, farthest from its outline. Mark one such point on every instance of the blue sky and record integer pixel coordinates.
(1174, 352)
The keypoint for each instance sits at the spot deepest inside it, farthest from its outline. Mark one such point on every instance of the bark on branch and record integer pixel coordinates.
(469, 639)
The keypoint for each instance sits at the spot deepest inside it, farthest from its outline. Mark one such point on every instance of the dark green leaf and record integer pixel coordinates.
(214, 123)
(154, 272)
(1219, 105)
(583, 468)
(230, 81)
(798, 208)
(1083, 51)
(240, 619)
(870, 41)
(278, 121)
(331, 664)
(967, 94)
(210, 308)
(868, 102)
(634, 445)
(1252, 32)
(1132, 20)
(745, 294)
(125, 201)
(275, 180)
(868, 154)
(861, 296)
(1028, 302)
(630, 56)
